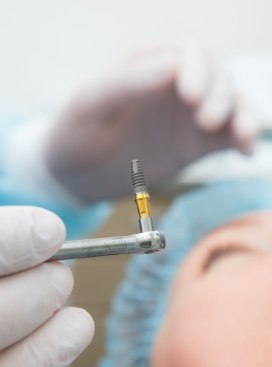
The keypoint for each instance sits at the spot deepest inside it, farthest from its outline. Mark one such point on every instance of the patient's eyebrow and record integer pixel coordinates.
(219, 253)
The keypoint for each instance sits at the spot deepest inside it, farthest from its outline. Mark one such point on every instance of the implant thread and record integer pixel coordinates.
(137, 176)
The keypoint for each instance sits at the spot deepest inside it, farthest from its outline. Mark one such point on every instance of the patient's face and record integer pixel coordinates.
(220, 310)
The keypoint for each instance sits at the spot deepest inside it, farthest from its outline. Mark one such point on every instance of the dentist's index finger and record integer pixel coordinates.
(194, 73)
(28, 236)
(218, 105)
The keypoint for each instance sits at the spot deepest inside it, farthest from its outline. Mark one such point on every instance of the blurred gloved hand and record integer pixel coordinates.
(35, 331)
(166, 108)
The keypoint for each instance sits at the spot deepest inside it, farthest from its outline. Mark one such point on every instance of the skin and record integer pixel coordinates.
(219, 311)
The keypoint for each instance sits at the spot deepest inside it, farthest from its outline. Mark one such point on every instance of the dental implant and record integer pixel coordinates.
(147, 242)
(142, 198)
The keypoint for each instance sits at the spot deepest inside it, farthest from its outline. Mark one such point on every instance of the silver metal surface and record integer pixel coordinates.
(139, 243)
(146, 224)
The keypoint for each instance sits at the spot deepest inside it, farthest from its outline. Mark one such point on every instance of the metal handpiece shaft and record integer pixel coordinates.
(146, 242)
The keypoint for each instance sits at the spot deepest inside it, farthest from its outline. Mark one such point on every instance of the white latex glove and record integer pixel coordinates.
(34, 330)
(167, 108)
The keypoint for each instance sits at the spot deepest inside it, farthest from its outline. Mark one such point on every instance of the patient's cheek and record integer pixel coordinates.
(178, 346)
(224, 319)
(182, 339)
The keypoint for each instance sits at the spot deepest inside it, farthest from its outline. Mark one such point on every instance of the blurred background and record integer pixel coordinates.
(48, 48)
(51, 48)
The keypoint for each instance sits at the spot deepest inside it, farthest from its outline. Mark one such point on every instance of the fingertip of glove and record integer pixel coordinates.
(29, 236)
(61, 278)
(190, 93)
(78, 328)
(84, 321)
(210, 121)
(48, 231)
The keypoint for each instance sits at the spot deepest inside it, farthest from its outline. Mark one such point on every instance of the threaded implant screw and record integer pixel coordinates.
(137, 176)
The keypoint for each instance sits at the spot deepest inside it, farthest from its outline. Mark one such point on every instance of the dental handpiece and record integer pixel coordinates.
(145, 242)
(140, 243)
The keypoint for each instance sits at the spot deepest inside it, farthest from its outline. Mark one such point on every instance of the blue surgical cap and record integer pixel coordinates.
(140, 304)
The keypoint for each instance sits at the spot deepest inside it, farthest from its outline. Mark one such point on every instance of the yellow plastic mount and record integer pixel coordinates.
(142, 200)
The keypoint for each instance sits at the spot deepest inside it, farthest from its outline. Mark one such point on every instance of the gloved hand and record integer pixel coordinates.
(166, 108)
(35, 330)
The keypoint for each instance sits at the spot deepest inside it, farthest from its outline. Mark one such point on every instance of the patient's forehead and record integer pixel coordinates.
(254, 223)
